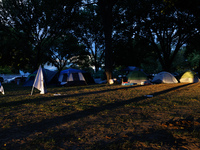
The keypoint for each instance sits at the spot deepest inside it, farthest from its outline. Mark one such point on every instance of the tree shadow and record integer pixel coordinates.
(148, 141)
(30, 128)
(42, 98)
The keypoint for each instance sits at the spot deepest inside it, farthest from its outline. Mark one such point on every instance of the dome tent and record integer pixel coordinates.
(164, 77)
(189, 77)
(75, 77)
(137, 77)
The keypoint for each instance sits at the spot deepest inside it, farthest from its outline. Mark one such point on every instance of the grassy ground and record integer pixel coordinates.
(101, 117)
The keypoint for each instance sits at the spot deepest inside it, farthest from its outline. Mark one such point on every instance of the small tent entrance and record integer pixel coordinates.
(64, 77)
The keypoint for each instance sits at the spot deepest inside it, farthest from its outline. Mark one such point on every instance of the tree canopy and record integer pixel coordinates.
(38, 20)
(106, 33)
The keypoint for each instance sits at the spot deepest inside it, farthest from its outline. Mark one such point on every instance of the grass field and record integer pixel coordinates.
(101, 117)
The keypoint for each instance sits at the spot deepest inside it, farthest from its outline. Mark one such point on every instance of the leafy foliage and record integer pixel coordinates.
(63, 50)
(90, 33)
(170, 29)
(110, 30)
(38, 21)
(15, 52)
(192, 53)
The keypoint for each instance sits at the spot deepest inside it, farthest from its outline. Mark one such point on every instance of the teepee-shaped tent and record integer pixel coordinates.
(1, 89)
(164, 77)
(189, 77)
(39, 82)
(50, 77)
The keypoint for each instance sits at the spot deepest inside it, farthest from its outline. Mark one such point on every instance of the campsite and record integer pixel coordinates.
(101, 116)
(99, 75)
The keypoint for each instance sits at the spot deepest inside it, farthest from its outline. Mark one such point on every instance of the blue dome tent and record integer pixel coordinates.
(75, 77)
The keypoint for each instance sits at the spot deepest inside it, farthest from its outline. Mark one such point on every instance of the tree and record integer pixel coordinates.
(191, 6)
(63, 50)
(12, 51)
(105, 11)
(90, 33)
(192, 53)
(39, 20)
(170, 30)
(130, 48)
(134, 54)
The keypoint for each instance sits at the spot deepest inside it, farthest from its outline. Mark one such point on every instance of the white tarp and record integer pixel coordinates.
(1, 89)
(39, 82)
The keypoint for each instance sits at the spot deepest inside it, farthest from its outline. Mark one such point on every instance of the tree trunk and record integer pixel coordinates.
(106, 10)
(167, 66)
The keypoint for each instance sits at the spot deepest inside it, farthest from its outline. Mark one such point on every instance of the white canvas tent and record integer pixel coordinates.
(1, 89)
(164, 77)
(39, 82)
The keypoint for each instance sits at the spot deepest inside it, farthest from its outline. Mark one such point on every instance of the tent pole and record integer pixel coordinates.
(85, 82)
(32, 90)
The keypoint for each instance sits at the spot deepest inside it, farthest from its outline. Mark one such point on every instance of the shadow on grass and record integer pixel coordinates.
(159, 138)
(26, 130)
(43, 98)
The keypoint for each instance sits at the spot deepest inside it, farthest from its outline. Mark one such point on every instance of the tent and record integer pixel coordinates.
(39, 82)
(75, 77)
(1, 89)
(189, 77)
(164, 77)
(138, 77)
(50, 77)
